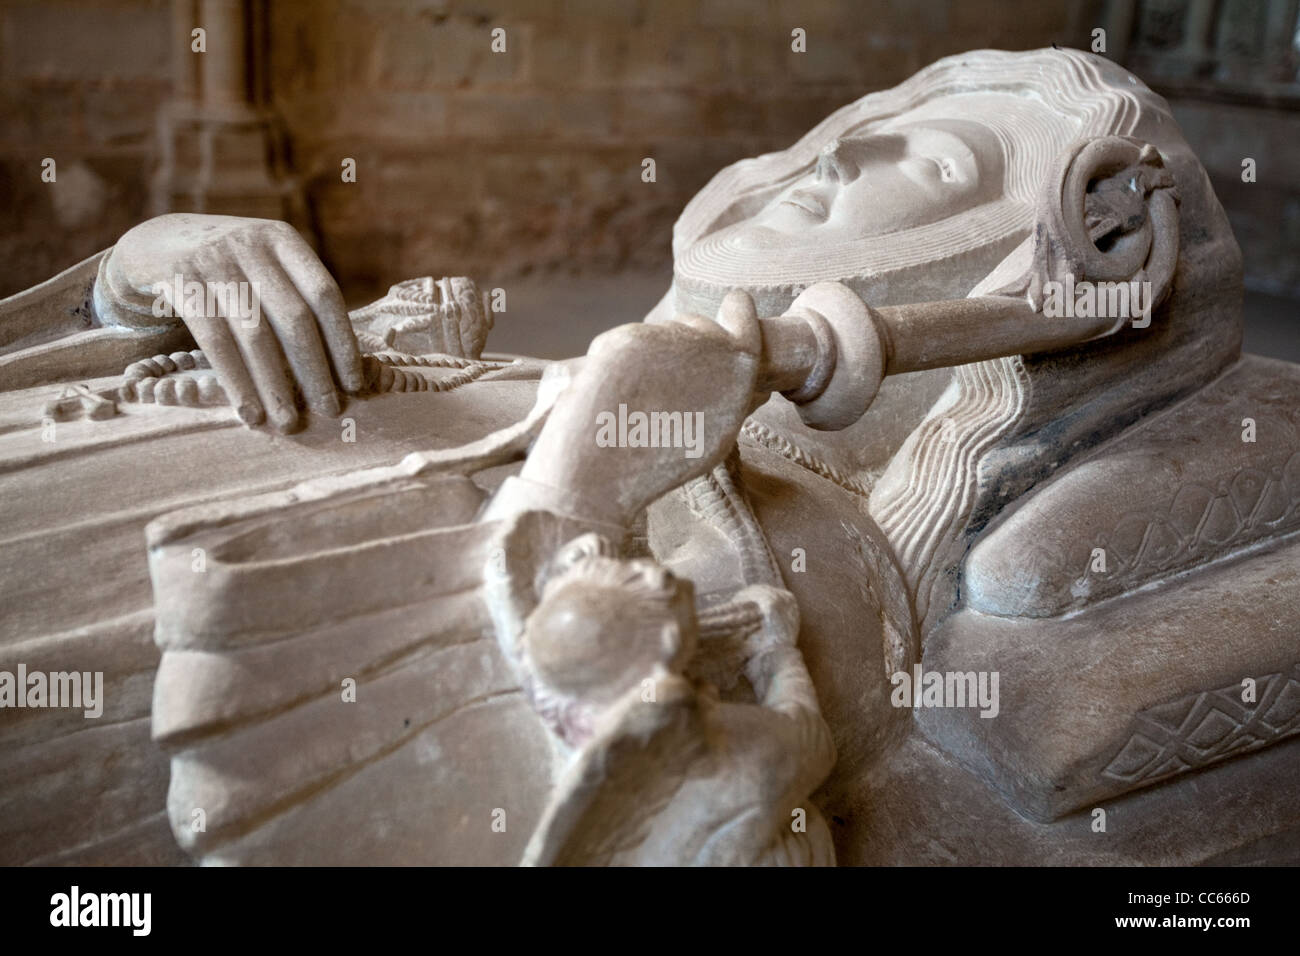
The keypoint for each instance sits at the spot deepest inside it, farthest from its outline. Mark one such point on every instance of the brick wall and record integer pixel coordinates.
(468, 161)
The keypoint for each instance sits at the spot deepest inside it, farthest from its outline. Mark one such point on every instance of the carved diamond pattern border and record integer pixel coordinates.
(1199, 523)
(1206, 727)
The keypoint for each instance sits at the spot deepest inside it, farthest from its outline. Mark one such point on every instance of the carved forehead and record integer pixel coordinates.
(936, 135)
(1026, 132)
(961, 139)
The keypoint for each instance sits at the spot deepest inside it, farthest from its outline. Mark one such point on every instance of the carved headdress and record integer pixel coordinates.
(1032, 104)
(1004, 425)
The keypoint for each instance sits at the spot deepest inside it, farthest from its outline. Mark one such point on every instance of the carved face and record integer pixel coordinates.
(605, 625)
(883, 191)
(897, 177)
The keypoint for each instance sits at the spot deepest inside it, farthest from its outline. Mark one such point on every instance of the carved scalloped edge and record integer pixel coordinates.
(766, 437)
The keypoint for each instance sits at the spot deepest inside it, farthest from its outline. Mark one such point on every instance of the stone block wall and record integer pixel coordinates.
(80, 83)
(501, 164)
(498, 163)
(468, 161)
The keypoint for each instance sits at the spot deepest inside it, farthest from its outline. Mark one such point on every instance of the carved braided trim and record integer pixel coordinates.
(154, 380)
(725, 619)
(451, 310)
(161, 365)
(370, 342)
(199, 392)
(765, 437)
(435, 361)
(390, 376)
(718, 500)
(392, 306)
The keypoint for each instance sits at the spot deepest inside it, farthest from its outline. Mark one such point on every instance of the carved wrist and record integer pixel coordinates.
(117, 304)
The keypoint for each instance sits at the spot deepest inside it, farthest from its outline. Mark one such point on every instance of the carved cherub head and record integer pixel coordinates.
(604, 627)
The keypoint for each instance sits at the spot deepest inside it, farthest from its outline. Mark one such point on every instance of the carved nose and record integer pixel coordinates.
(833, 165)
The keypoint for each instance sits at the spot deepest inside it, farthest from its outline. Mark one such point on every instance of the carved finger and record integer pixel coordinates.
(449, 316)
(253, 336)
(298, 334)
(212, 334)
(319, 290)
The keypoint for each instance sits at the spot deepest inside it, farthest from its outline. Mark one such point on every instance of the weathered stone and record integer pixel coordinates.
(857, 548)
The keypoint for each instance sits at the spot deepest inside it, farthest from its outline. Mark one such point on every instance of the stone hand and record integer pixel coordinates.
(651, 407)
(271, 319)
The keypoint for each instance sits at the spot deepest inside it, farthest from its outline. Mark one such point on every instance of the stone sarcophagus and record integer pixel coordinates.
(933, 510)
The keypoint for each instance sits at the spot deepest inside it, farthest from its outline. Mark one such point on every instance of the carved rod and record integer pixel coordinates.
(829, 352)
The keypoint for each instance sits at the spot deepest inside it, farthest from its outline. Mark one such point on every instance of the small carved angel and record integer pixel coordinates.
(664, 772)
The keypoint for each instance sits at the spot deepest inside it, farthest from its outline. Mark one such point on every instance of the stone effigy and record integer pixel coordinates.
(933, 516)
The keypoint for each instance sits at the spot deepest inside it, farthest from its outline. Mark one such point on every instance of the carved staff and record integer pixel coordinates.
(830, 351)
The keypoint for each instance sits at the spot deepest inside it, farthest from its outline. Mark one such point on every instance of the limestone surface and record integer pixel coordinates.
(933, 511)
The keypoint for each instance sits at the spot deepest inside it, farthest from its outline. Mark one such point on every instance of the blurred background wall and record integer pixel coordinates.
(524, 167)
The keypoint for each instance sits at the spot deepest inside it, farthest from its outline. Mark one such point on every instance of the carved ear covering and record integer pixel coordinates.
(1108, 213)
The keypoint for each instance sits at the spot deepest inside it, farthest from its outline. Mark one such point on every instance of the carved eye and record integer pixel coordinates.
(947, 168)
